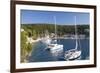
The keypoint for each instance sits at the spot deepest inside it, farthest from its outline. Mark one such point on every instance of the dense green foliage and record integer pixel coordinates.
(25, 47)
(38, 29)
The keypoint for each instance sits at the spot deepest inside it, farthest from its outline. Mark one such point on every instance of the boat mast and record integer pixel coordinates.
(55, 29)
(76, 33)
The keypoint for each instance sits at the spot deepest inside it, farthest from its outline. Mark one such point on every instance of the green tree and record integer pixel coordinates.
(23, 45)
(34, 35)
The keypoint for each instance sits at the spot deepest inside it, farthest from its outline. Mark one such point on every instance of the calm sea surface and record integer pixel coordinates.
(39, 54)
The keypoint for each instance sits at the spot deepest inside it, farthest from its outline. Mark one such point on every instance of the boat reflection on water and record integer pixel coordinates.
(57, 54)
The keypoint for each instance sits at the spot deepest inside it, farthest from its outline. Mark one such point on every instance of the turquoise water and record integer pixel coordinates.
(39, 54)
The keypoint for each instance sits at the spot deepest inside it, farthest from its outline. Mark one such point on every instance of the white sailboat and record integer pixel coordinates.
(73, 53)
(55, 47)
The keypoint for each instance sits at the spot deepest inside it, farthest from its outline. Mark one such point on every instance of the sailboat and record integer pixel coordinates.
(73, 53)
(55, 47)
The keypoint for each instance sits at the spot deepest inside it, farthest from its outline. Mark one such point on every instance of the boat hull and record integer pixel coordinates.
(72, 54)
(55, 47)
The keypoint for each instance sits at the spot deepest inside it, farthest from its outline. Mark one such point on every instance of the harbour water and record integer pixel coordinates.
(40, 54)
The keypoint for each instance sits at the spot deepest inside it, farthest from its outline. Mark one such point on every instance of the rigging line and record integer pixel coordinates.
(55, 29)
(76, 33)
(77, 39)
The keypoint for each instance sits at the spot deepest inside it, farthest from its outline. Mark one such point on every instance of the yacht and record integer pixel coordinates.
(55, 47)
(75, 53)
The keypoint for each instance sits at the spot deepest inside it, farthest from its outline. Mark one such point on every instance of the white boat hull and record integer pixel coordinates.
(55, 47)
(72, 54)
